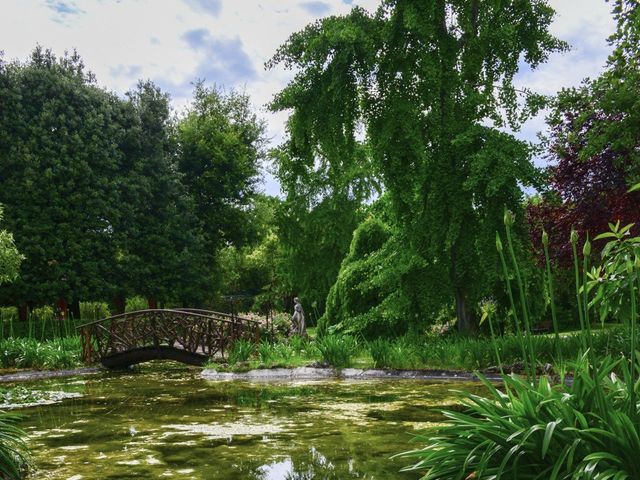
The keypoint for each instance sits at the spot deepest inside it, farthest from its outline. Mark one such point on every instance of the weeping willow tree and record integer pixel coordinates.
(426, 83)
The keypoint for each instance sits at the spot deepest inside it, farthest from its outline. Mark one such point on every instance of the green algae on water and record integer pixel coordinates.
(164, 421)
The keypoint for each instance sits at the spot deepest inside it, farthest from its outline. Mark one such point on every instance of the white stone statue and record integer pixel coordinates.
(297, 320)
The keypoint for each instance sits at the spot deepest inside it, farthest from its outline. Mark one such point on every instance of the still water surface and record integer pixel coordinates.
(164, 421)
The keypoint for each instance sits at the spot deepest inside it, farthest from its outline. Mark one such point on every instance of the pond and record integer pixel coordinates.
(164, 421)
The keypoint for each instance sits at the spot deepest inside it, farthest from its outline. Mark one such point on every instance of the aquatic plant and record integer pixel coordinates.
(266, 352)
(400, 353)
(31, 353)
(241, 351)
(337, 350)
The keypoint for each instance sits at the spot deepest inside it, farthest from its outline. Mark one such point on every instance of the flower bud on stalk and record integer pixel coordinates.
(545, 238)
(509, 218)
(573, 237)
(498, 243)
(586, 249)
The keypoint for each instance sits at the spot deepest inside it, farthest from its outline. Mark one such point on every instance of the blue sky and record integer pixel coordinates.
(227, 42)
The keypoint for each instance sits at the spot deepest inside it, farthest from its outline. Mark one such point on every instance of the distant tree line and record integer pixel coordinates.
(108, 196)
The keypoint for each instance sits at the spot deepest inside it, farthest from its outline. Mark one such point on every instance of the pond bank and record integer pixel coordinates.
(311, 373)
(299, 373)
(27, 375)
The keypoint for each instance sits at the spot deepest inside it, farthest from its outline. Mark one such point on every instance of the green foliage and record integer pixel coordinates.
(314, 240)
(31, 353)
(221, 142)
(400, 354)
(337, 350)
(10, 258)
(610, 282)
(241, 351)
(94, 311)
(61, 144)
(266, 352)
(385, 288)
(537, 431)
(423, 111)
(588, 427)
(112, 197)
(14, 459)
(357, 291)
(136, 303)
(253, 269)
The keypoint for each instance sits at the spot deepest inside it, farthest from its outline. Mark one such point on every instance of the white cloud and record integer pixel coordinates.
(123, 41)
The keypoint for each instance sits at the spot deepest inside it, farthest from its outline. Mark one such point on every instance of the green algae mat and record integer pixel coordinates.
(164, 421)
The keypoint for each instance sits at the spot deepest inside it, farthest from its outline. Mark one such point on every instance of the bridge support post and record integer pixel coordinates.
(87, 347)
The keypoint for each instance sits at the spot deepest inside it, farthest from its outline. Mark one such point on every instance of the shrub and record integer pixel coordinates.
(94, 311)
(136, 303)
(337, 350)
(278, 327)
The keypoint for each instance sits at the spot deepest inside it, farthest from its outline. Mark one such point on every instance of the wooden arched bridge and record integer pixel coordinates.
(186, 335)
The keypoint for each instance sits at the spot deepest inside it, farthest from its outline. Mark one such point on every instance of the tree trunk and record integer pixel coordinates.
(153, 303)
(119, 303)
(63, 309)
(23, 312)
(466, 318)
(75, 309)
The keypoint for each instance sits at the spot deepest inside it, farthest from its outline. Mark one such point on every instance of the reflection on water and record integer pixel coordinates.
(163, 421)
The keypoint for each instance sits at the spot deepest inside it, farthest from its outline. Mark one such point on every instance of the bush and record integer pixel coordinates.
(281, 326)
(337, 350)
(136, 303)
(94, 311)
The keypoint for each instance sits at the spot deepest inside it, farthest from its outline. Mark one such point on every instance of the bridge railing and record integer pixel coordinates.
(197, 331)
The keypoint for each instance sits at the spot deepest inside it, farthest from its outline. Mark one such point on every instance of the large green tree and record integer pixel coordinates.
(155, 222)
(423, 77)
(220, 146)
(60, 152)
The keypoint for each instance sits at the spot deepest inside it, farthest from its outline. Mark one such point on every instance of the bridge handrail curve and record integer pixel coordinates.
(186, 311)
(222, 314)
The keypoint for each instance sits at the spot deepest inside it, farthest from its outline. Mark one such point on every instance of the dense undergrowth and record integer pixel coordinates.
(453, 352)
(30, 353)
(584, 428)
